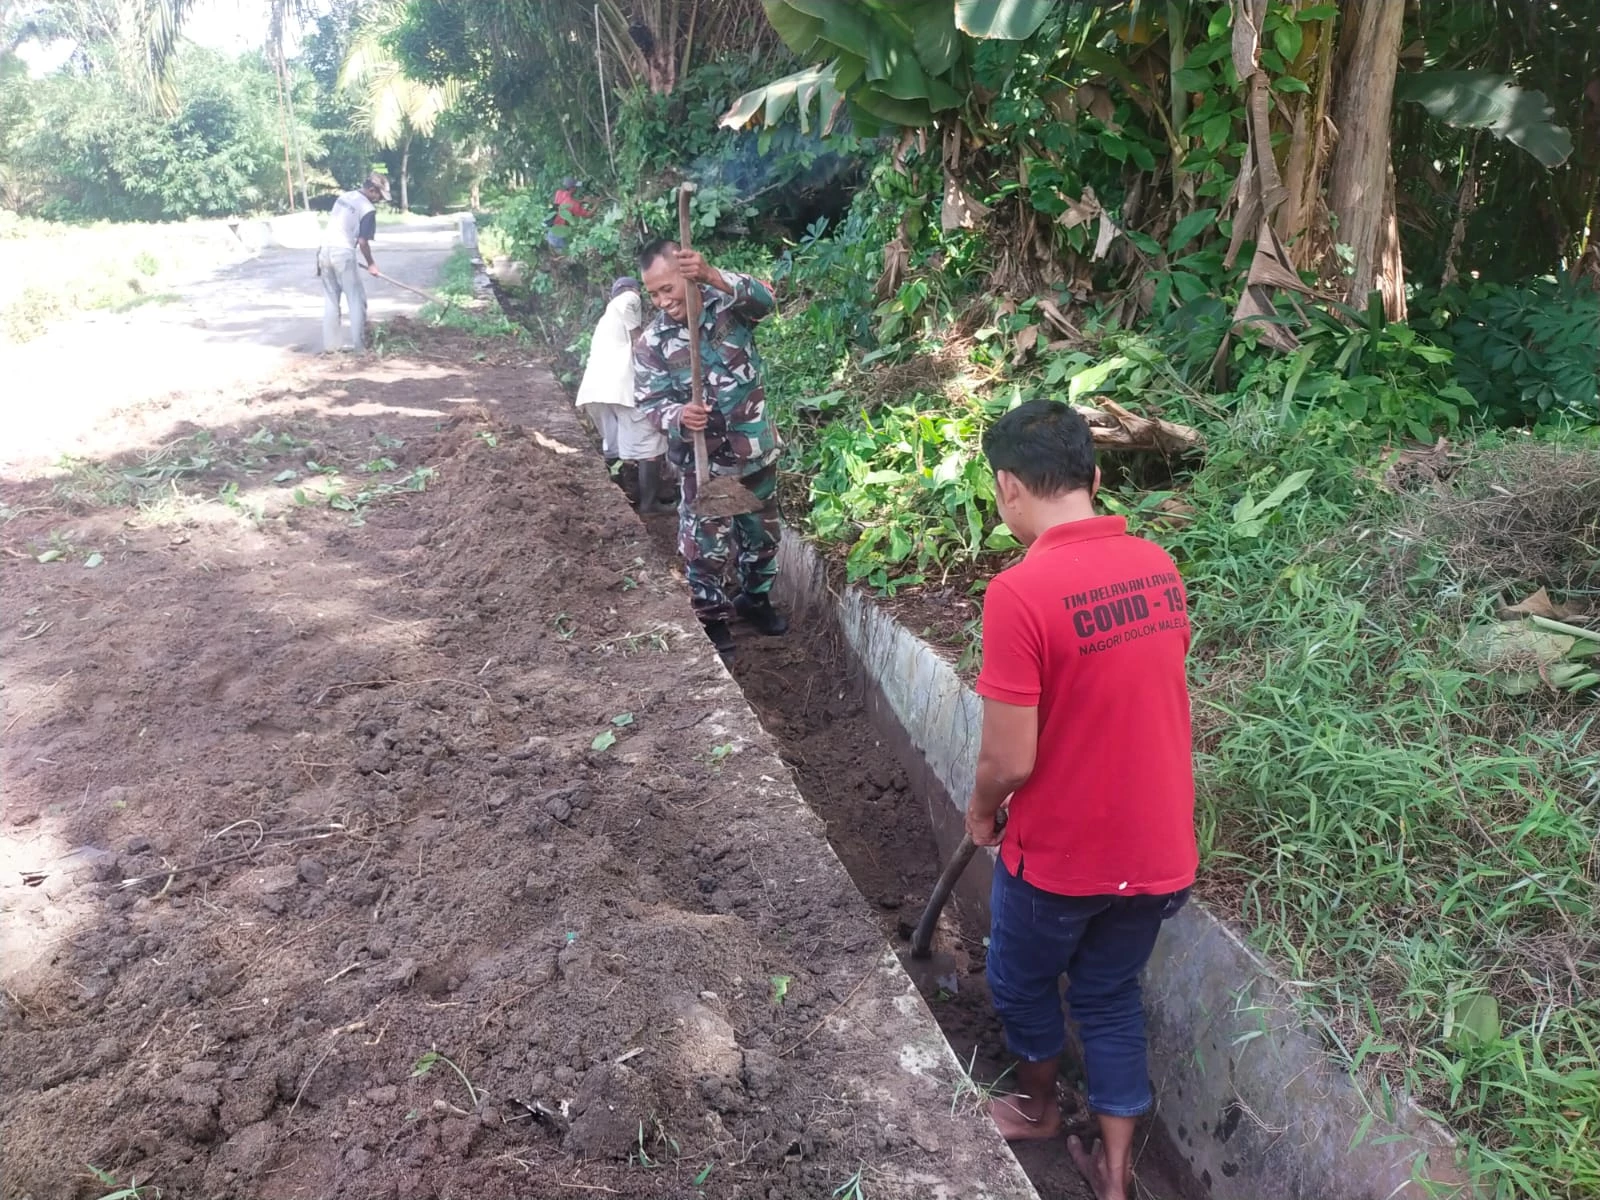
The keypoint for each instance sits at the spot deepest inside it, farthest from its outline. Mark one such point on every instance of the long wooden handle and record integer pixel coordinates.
(922, 936)
(691, 298)
(409, 288)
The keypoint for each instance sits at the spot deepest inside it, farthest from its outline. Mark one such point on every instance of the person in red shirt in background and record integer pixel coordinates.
(1086, 743)
(564, 204)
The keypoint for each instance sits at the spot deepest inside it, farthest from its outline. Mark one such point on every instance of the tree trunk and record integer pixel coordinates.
(1359, 192)
(292, 129)
(655, 31)
(405, 175)
(283, 122)
(1391, 279)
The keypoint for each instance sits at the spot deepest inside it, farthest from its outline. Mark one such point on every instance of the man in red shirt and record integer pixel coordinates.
(564, 204)
(1086, 744)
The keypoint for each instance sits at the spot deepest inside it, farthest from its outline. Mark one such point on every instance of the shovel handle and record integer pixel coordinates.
(691, 299)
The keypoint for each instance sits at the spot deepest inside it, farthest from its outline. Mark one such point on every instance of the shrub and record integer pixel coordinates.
(1528, 353)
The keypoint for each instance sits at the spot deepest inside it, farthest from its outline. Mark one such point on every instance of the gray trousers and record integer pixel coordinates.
(341, 275)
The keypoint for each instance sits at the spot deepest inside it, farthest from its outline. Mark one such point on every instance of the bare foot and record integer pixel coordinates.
(1012, 1115)
(1094, 1169)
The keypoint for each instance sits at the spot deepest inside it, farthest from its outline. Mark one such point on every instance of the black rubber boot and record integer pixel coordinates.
(650, 487)
(759, 612)
(721, 637)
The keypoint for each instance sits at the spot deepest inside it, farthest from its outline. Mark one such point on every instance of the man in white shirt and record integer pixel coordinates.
(351, 225)
(606, 393)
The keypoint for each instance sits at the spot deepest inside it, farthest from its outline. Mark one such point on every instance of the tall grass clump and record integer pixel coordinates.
(1416, 849)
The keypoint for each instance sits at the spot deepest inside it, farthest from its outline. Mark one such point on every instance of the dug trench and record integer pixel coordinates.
(858, 771)
(418, 846)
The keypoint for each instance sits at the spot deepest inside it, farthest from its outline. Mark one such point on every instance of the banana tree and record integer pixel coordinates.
(1246, 94)
(888, 63)
(143, 37)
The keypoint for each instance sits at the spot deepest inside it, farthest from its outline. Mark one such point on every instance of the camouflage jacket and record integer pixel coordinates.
(739, 437)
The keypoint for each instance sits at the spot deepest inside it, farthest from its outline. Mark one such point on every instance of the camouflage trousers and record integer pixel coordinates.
(750, 540)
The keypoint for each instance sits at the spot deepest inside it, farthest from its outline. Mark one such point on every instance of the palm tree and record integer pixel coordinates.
(394, 106)
(279, 12)
(142, 34)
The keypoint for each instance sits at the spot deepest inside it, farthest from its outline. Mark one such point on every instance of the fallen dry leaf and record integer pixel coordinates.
(959, 210)
(1026, 339)
(1080, 211)
(1419, 465)
(1539, 604)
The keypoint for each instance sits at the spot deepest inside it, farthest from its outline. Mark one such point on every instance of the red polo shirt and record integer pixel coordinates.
(1092, 628)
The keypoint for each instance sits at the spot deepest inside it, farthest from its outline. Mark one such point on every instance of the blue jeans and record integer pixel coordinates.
(1101, 943)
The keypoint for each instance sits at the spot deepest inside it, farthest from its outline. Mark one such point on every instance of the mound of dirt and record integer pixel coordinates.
(423, 849)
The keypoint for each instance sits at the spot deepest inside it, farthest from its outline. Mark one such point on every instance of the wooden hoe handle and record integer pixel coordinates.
(702, 463)
(922, 937)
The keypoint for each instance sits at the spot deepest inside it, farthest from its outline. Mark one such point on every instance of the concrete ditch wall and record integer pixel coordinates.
(1247, 1094)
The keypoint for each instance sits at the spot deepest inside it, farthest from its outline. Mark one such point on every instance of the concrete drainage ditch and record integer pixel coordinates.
(853, 774)
(1250, 1104)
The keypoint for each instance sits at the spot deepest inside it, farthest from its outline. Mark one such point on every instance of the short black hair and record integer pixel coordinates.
(1046, 445)
(653, 249)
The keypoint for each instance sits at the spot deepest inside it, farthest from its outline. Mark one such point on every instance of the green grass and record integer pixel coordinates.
(50, 272)
(140, 299)
(462, 310)
(455, 275)
(266, 473)
(1414, 848)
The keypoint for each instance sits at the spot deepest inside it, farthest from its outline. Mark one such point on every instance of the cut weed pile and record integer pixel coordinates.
(1527, 513)
(255, 477)
(459, 310)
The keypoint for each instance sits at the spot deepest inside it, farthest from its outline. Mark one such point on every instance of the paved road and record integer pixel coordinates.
(74, 389)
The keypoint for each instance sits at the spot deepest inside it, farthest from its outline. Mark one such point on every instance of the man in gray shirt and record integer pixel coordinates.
(351, 226)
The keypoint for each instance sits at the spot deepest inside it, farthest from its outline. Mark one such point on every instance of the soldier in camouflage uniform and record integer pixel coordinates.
(740, 440)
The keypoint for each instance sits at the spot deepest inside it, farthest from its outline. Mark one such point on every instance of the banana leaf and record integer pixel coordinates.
(1007, 20)
(1485, 100)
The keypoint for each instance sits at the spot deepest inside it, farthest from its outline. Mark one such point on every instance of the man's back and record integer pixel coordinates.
(1092, 628)
(345, 220)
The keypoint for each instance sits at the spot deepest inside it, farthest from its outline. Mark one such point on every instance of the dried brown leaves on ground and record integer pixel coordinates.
(1523, 514)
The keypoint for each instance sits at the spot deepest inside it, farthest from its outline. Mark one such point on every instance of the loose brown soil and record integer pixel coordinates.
(294, 803)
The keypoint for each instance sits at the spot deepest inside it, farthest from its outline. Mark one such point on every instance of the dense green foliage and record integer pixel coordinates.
(1524, 351)
(79, 150)
(1163, 89)
(98, 138)
(1045, 200)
